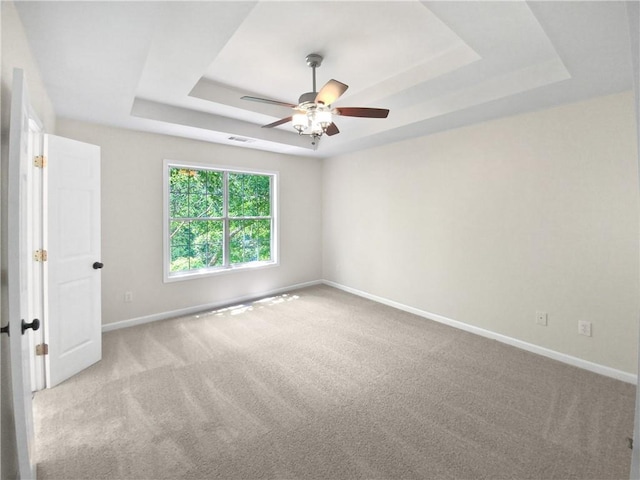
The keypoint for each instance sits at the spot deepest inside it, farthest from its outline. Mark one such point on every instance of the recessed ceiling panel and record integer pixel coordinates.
(363, 44)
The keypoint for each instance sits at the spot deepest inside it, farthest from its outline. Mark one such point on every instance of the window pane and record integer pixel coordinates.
(198, 182)
(205, 199)
(180, 233)
(196, 244)
(198, 205)
(213, 199)
(181, 242)
(213, 182)
(195, 193)
(178, 205)
(179, 180)
(214, 205)
(179, 259)
(249, 195)
(207, 238)
(250, 240)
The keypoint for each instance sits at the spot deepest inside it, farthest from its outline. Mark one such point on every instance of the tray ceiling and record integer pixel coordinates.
(180, 68)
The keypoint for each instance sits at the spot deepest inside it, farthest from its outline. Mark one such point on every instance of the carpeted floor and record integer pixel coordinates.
(320, 384)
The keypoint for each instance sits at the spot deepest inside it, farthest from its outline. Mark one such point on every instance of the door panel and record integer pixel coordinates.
(71, 295)
(18, 265)
(73, 243)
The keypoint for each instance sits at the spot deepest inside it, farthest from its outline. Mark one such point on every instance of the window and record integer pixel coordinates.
(217, 220)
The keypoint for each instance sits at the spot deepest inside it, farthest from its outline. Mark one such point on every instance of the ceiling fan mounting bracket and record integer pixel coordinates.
(314, 60)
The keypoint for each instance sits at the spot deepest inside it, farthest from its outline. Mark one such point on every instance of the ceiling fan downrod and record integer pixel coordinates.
(314, 61)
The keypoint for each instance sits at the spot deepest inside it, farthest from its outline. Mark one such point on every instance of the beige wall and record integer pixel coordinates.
(15, 54)
(488, 224)
(132, 229)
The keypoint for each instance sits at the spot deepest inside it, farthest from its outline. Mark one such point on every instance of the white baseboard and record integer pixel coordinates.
(201, 308)
(530, 347)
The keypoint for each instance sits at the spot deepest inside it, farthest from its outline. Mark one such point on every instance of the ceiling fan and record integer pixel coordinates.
(313, 115)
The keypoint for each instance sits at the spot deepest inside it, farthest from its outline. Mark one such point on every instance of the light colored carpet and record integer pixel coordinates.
(320, 384)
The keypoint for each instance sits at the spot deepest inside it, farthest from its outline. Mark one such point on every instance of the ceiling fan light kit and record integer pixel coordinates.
(313, 115)
(312, 119)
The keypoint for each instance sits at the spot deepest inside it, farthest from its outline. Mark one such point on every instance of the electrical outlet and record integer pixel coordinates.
(584, 328)
(128, 297)
(541, 318)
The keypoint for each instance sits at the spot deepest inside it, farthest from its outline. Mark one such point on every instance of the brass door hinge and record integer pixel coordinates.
(40, 255)
(42, 349)
(40, 161)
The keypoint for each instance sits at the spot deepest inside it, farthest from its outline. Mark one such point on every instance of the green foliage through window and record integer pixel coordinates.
(218, 219)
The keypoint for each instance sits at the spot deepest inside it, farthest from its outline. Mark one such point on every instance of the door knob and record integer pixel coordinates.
(97, 265)
(35, 325)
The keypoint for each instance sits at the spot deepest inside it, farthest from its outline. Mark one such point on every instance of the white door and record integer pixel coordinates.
(18, 263)
(72, 236)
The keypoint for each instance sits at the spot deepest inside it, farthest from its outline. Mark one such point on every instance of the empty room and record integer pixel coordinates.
(319, 239)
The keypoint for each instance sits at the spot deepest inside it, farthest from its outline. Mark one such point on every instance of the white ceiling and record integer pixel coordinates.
(180, 68)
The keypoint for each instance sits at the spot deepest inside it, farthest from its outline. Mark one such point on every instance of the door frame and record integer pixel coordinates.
(35, 218)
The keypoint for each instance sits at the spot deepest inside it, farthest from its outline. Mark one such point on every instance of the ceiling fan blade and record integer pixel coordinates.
(332, 129)
(331, 91)
(266, 100)
(363, 112)
(279, 122)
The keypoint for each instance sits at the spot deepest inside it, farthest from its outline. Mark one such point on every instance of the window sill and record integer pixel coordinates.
(204, 273)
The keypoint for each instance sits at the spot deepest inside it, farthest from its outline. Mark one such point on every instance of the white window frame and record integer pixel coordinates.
(227, 268)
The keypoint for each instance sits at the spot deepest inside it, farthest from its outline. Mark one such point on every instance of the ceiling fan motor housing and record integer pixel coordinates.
(309, 97)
